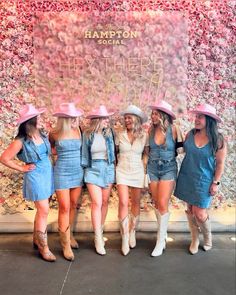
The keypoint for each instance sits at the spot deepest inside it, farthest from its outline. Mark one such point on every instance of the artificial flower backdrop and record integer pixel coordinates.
(205, 58)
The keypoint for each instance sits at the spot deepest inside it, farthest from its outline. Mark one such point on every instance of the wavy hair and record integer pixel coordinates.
(165, 121)
(138, 131)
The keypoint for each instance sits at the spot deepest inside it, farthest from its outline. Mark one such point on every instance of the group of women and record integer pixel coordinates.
(100, 157)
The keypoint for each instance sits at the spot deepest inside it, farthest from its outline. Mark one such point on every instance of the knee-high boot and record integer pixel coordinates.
(42, 244)
(99, 242)
(134, 220)
(35, 237)
(193, 248)
(65, 243)
(206, 231)
(162, 221)
(124, 230)
(73, 243)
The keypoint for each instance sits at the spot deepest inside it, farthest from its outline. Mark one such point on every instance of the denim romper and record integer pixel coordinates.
(38, 183)
(161, 163)
(99, 172)
(68, 172)
(196, 174)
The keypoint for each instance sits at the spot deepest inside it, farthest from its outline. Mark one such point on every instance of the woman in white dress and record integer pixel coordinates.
(130, 146)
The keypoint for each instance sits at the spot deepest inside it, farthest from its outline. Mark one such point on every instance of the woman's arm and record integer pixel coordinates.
(220, 163)
(7, 157)
(52, 142)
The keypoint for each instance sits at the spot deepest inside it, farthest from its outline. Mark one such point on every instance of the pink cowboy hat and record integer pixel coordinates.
(206, 109)
(67, 109)
(164, 107)
(29, 112)
(99, 112)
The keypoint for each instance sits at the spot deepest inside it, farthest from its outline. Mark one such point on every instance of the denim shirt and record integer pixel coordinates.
(86, 149)
(29, 152)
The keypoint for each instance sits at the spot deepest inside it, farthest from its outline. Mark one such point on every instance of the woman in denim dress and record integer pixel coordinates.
(68, 173)
(98, 158)
(200, 173)
(32, 147)
(162, 167)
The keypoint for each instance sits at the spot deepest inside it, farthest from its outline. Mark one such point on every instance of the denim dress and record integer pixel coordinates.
(162, 164)
(196, 174)
(100, 172)
(68, 172)
(38, 183)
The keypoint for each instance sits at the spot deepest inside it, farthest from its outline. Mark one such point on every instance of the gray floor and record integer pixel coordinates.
(175, 272)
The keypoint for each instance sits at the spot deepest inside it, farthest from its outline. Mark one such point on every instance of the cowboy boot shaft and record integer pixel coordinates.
(134, 220)
(65, 243)
(206, 231)
(124, 230)
(194, 230)
(162, 221)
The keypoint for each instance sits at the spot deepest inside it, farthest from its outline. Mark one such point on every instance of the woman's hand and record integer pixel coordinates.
(213, 189)
(27, 168)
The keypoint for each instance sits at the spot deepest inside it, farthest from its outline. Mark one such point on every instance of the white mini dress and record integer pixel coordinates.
(130, 168)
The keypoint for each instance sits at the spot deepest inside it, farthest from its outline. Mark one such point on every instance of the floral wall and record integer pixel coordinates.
(186, 48)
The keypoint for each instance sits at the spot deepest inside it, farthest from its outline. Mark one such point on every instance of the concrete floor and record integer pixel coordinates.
(175, 272)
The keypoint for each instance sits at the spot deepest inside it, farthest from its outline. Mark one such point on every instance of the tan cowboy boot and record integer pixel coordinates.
(65, 243)
(73, 243)
(41, 241)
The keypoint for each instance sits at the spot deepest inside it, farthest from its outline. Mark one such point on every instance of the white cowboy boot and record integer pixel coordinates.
(206, 231)
(193, 248)
(162, 221)
(99, 242)
(134, 220)
(124, 230)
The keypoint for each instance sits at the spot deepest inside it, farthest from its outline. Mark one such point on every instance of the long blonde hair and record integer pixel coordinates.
(138, 131)
(165, 121)
(94, 126)
(63, 126)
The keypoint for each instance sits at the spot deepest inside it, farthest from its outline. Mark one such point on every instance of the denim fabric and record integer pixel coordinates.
(86, 149)
(29, 152)
(162, 170)
(162, 164)
(196, 174)
(68, 172)
(164, 151)
(101, 173)
(38, 184)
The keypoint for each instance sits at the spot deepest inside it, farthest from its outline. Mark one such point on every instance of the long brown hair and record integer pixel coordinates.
(27, 128)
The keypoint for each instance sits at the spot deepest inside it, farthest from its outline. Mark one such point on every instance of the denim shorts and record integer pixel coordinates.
(162, 169)
(101, 173)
